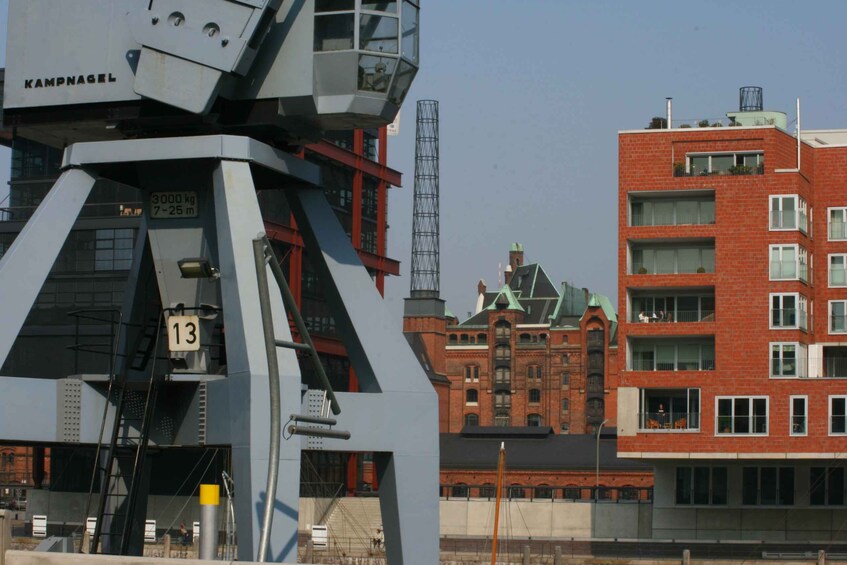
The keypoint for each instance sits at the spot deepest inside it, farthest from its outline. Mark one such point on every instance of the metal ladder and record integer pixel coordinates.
(122, 468)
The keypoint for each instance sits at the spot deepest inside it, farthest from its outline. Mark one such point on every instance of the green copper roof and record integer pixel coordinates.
(601, 301)
(513, 303)
(516, 247)
(448, 313)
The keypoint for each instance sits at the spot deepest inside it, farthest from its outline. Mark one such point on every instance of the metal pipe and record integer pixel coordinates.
(273, 381)
(210, 498)
(313, 419)
(798, 134)
(318, 432)
(292, 345)
(291, 307)
(670, 106)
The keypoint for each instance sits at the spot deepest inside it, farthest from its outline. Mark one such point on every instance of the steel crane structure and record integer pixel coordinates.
(197, 103)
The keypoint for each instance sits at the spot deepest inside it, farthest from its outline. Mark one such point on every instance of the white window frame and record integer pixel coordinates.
(750, 399)
(801, 359)
(791, 414)
(801, 311)
(801, 260)
(760, 157)
(829, 415)
(830, 257)
(801, 212)
(829, 211)
(829, 318)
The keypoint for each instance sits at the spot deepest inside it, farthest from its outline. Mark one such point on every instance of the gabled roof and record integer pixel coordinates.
(531, 281)
(570, 306)
(602, 301)
(505, 300)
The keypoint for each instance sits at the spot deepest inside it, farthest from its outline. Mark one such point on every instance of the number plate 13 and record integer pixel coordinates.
(184, 333)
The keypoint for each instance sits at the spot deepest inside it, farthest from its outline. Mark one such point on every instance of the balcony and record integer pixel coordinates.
(672, 355)
(676, 259)
(667, 211)
(669, 409)
(737, 170)
(736, 164)
(833, 364)
(669, 421)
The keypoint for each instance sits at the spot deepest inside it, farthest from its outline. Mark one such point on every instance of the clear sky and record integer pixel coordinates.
(533, 92)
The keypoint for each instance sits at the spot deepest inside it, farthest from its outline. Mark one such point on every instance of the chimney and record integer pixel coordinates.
(508, 274)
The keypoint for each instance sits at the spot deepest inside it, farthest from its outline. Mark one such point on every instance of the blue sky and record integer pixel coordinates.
(532, 94)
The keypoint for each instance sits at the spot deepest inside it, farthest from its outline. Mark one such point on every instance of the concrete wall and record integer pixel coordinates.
(5, 534)
(546, 519)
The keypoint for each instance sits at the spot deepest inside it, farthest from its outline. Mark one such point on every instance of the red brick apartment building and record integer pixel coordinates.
(732, 264)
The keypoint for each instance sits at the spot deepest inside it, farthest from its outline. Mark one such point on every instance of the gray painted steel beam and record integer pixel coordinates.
(25, 266)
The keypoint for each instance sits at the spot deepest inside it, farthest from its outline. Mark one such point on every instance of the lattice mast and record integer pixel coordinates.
(425, 228)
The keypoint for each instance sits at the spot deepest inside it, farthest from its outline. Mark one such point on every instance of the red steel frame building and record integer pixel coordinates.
(731, 262)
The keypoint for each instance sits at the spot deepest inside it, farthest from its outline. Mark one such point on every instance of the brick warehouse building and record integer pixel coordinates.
(535, 367)
(732, 295)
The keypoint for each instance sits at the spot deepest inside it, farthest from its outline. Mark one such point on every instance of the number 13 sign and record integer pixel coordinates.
(184, 333)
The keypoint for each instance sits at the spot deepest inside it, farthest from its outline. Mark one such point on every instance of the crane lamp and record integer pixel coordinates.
(197, 268)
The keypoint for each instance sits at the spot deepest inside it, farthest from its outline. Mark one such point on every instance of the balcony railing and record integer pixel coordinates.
(677, 316)
(669, 421)
(741, 424)
(99, 210)
(678, 219)
(789, 220)
(837, 230)
(834, 367)
(787, 368)
(788, 318)
(838, 276)
(789, 270)
(574, 493)
(837, 324)
(690, 365)
(734, 171)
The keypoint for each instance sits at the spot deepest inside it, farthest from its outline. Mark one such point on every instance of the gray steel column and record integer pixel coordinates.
(238, 223)
(25, 266)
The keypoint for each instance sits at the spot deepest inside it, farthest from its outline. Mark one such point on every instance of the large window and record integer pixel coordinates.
(731, 163)
(666, 355)
(502, 375)
(502, 399)
(533, 420)
(674, 211)
(502, 353)
(767, 486)
(788, 360)
(502, 330)
(799, 415)
(471, 397)
(789, 212)
(334, 25)
(837, 224)
(838, 269)
(676, 259)
(701, 485)
(789, 262)
(471, 373)
(788, 311)
(471, 419)
(534, 396)
(837, 313)
(826, 486)
(837, 415)
(742, 415)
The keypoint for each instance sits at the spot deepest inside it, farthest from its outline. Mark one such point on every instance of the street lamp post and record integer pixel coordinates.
(597, 467)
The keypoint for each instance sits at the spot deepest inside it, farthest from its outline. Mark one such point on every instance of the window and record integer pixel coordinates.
(837, 270)
(502, 330)
(502, 419)
(673, 308)
(826, 486)
(471, 397)
(788, 311)
(534, 396)
(837, 224)
(788, 360)
(663, 211)
(767, 486)
(533, 420)
(472, 373)
(566, 404)
(789, 212)
(837, 313)
(452, 340)
(677, 259)
(517, 491)
(666, 355)
(565, 428)
(799, 410)
(725, 164)
(837, 415)
(502, 375)
(502, 353)
(571, 492)
(487, 491)
(565, 357)
(566, 379)
(701, 485)
(502, 399)
(533, 372)
(459, 491)
(543, 491)
(742, 415)
(789, 262)
(334, 30)
(471, 419)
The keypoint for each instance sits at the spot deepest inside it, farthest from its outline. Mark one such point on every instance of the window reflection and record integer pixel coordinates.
(378, 33)
(375, 72)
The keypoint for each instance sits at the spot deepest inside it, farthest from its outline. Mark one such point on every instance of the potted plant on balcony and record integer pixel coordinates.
(701, 270)
(679, 169)
(642, 270)
(741, 170)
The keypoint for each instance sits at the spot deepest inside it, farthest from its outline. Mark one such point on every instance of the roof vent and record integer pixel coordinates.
(750, 99)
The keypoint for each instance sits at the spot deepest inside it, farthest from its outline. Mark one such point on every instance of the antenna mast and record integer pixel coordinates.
(425, 229)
